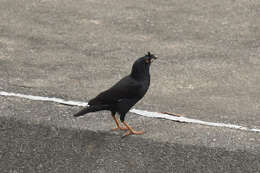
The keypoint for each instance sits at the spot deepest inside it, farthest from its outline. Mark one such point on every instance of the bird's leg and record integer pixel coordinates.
(131, 131)
(118, 127)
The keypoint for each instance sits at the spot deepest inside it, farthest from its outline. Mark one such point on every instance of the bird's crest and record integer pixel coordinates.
(151, 55)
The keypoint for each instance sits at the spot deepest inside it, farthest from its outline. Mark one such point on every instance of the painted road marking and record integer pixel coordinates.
(136, 111)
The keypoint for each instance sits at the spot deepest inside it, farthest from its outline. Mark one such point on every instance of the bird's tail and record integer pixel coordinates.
(90, 109)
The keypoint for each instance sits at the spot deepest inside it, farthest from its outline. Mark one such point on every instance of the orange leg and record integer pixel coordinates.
(131, 131)
(118, 127)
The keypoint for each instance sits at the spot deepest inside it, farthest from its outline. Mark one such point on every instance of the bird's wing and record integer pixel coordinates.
(126, 88)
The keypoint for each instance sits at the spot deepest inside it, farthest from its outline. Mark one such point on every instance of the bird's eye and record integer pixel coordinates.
(147, 61)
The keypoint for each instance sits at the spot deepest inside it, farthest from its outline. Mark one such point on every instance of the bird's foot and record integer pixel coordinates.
(120, 128)
(133, 132)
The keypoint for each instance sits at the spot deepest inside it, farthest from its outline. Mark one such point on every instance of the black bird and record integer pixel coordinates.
(124, 94)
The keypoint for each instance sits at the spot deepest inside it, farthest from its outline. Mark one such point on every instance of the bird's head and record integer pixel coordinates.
(149, 58)
(141, 66)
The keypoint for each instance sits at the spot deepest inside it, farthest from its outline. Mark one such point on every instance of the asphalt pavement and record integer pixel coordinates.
(208, 69)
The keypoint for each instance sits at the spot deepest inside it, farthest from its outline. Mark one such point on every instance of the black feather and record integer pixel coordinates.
(124, 94)
(88, 109)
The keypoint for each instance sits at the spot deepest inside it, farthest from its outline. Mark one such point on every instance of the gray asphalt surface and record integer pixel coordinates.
(208, 69)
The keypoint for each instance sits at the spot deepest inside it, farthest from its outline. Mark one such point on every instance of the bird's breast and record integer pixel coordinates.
(144, 88)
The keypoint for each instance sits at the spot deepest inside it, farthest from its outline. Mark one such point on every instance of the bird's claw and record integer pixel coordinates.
(120, 128)
(133, 132)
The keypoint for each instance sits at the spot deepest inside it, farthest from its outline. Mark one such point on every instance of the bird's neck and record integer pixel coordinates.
(141, 73)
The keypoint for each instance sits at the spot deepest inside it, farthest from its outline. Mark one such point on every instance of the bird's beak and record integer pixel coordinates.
(153, 58)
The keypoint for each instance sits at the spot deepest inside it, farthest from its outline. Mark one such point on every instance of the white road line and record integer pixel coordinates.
(189, 120)
(136, 111)
(40, 98)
